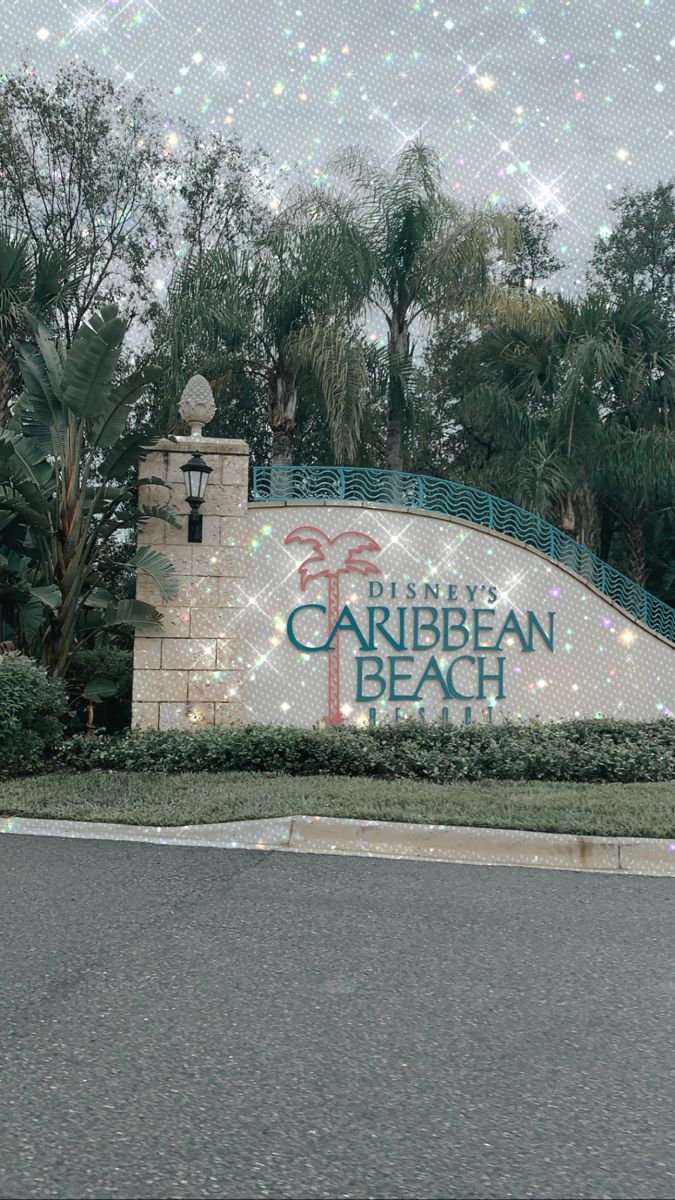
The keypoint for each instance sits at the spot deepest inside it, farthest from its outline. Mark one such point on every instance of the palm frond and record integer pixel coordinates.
(517, 309)
(638, 467)
(541, 479)
(144, 618)
(338, 365)
(16, 281)
(159, 568)
(496, 410)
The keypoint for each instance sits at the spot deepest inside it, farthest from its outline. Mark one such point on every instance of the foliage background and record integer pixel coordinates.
(142, 143)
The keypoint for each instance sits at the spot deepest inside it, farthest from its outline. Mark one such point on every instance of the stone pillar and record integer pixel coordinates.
(189, 673)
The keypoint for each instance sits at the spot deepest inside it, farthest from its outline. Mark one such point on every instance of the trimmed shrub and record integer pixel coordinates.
(32, 708)
(574, 751)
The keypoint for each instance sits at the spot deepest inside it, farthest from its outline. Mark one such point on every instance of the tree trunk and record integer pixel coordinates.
(399, 350)
(6, 386)
(567, 520)
(606, 534)
(282, 448)
(394, 442)
(635, 553)
(589, 520)
(282, 401)
(282, 398)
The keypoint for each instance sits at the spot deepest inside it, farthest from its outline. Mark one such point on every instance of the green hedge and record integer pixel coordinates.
(32, 709)
(577, 751)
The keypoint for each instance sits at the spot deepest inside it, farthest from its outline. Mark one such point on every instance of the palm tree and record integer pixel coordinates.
(637, 471)
(578, 422)
(427, 257)
(66, 486)
(33, 282)
(280, 311)
(333, 557)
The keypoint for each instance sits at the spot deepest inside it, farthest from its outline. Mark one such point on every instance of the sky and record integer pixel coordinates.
(562, 104)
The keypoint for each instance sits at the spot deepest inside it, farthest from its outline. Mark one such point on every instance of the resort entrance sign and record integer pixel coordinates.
(344, 596)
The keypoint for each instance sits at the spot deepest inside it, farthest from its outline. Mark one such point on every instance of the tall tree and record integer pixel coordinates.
(86, 171)
(222, 191)
(533, 261)
(457, 355)
(638, 257)
(636, 471)
(279, 311)
(428, 258)
(578, 425)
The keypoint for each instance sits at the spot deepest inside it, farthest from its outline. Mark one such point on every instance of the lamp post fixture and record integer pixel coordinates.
(196, 475)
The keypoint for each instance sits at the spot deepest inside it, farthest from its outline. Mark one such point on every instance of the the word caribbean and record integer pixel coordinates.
(389, 642)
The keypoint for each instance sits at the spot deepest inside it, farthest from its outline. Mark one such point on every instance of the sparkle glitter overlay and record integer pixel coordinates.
(602, 663)
(560, 105)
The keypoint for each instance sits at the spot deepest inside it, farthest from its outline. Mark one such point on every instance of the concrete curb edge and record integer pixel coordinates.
(386, 839)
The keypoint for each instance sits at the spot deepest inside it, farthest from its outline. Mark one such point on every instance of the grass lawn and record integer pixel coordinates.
(611, 809)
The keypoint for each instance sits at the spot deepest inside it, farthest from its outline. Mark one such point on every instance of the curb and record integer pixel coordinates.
(386, 839)
(271, 834)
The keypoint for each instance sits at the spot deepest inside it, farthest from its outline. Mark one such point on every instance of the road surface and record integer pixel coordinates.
(182, 1022)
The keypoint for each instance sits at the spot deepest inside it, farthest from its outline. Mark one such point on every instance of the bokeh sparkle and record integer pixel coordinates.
(557, 105)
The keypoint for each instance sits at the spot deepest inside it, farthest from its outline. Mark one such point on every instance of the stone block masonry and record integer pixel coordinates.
(190, 673)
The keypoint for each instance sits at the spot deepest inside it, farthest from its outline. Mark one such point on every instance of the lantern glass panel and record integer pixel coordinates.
(195, 483)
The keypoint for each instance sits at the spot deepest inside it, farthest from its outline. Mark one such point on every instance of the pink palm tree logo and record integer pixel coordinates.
(334, 557)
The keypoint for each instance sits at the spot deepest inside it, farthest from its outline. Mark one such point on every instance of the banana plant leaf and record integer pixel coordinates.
(91, 362)
(97, 689)
(108, 430)
(49, 595)
(163, 512)
(125, 455)
(53, 360)
(26, 457)
(99, 598)
(158, 567)
(38, 392)
(143, 617)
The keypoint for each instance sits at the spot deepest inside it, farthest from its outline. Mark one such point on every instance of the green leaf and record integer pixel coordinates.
(143, 617)
(158, 567)
(161, 512)
(26, 457)
(49, 352)
(97, 689)
(124, 455)
(30, 617)
(99, 598)
(90, 364)
(35, 375)
(49, 595)
(109, 429)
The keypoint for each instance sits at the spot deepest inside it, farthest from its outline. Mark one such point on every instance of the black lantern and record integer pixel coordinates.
(196, 475)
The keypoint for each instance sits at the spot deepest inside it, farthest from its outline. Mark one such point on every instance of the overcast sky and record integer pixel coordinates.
(559, 103)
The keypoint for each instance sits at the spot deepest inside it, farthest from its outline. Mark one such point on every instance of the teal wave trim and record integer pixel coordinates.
(425, 493)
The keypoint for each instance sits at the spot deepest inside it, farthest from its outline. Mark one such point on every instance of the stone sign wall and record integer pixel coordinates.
(301, 613)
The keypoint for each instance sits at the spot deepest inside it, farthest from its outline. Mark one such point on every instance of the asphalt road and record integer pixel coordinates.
(189, 1022)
